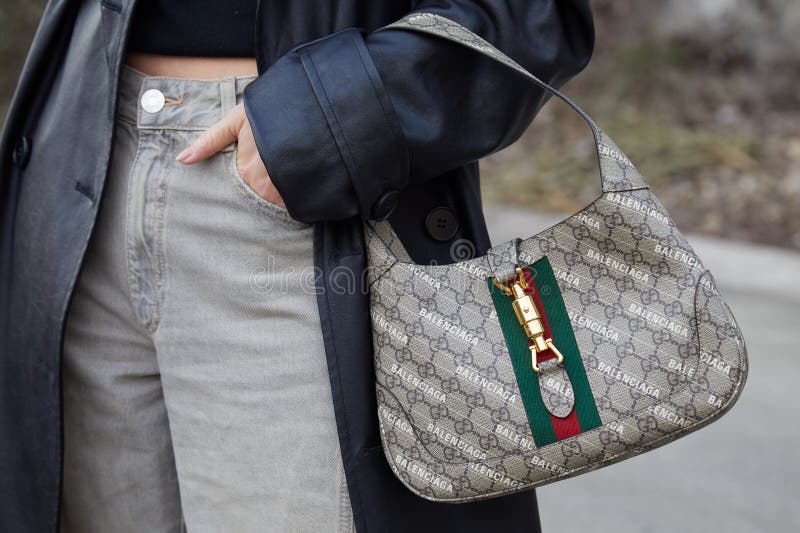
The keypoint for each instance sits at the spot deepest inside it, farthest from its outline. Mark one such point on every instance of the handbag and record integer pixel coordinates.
(591, 342)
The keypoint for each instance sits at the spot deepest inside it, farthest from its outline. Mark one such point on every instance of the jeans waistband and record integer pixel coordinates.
(189, 104)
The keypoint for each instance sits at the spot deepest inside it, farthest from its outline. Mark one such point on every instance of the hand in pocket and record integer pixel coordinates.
(235, 127)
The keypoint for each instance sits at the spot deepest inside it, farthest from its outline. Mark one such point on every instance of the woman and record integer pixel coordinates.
(204, 360)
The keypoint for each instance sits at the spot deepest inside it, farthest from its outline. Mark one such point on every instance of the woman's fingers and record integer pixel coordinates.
(252, 169)
(234, 126)
(214, 138)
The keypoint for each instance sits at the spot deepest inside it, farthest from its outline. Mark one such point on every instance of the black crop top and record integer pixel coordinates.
(212, 28)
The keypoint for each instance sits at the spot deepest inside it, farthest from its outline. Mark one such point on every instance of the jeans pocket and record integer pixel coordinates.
(249, 193)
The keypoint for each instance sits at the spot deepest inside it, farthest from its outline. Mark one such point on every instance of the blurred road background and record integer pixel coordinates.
(704, 97)
(701, 95)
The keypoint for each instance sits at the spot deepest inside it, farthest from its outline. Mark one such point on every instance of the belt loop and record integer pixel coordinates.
(227, 94)
(240, 85)
(227, 98)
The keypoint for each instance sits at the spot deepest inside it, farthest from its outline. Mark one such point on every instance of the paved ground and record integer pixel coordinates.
(741, 473)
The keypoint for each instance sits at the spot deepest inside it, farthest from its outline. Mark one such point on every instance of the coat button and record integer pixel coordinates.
(441, 223)
(153, 100)
(21, 152)
(385, 205)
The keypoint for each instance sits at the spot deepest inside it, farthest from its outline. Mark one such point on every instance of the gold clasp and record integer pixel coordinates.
(529, 318)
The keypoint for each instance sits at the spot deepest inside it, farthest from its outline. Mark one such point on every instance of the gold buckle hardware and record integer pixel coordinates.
(529, 318)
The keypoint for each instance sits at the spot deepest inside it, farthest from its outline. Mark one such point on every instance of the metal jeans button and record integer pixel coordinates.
(153, 100)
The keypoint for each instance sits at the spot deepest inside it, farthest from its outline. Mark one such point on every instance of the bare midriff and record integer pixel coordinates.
(190, 66)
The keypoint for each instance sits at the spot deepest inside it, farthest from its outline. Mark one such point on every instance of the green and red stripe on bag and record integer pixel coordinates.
(546, 428)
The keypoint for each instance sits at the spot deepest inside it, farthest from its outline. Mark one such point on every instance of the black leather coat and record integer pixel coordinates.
(351, 125)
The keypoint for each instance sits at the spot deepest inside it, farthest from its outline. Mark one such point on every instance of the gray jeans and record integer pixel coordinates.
(195, 385)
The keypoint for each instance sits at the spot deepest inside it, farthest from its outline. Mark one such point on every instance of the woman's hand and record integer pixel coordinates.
(234, 126)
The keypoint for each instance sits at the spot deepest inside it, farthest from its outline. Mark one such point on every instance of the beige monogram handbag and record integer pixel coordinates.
(589, 343)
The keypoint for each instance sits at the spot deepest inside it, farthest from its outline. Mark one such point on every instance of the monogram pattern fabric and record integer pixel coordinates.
(662, 352)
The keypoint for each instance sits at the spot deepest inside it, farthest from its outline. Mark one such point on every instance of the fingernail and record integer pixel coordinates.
(185, 154)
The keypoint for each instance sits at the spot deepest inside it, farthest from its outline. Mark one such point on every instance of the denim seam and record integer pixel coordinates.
(159, 242)
(262, 204)
(133, 281)
(159, 126)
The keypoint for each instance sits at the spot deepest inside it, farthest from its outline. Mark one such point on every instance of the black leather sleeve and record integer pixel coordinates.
(344, 121)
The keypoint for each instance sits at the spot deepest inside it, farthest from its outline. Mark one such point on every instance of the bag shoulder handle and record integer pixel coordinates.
(617, 173)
